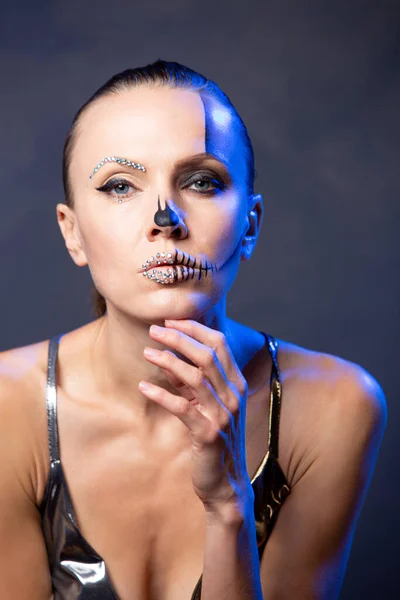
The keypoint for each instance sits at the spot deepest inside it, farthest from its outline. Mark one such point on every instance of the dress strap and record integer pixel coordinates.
(51, 399)
(275, 396)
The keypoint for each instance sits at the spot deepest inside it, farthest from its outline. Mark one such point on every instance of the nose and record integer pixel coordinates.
(168, 221)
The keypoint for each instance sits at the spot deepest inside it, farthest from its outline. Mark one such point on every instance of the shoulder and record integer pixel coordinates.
(20, 371)
(333, 382)
(333, 416)
(23, 418)
(328, 403)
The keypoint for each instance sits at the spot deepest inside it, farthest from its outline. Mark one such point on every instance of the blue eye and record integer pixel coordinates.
(115, 184)
(119, 185)
(219, 186)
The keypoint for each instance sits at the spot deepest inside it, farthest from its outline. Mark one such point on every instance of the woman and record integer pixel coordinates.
(178, 487)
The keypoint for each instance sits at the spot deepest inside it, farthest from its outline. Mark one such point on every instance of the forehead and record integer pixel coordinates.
(157, 126)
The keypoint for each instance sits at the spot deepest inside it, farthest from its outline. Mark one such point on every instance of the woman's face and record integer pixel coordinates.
(116, 232)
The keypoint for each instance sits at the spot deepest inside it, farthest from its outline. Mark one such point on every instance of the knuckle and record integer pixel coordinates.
(242, 385)
(212, 435)
(233, 401)
(225, 420)
(234, 406)
(167, 358)
(219, 340)
(198, 379)
(175, 336)
(183, 406)
(209, 357)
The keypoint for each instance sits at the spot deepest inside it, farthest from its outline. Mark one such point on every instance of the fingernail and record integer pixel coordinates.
(151, 352)
(144, 385)
(156, 330)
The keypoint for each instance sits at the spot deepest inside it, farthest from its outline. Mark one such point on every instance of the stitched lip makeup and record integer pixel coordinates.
(172, 267)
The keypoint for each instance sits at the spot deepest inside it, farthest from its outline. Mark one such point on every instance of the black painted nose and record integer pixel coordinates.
(165, 217)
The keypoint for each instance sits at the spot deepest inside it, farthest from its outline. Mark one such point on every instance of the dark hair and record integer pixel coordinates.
(161, 72)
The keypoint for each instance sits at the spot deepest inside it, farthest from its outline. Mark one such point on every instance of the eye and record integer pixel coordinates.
(118, 185)
(205, 182)
(208, 186)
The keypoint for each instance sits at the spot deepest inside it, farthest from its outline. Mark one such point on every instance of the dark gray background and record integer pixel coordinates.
(317, 84)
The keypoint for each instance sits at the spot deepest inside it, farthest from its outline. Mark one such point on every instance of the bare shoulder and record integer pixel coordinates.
(333, 377)
(23, 419)
(21, 369)
(23, 470)
(325, 398)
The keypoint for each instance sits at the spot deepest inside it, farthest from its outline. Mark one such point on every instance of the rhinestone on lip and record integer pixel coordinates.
(122, 161)
(161, 258)
(159, 276)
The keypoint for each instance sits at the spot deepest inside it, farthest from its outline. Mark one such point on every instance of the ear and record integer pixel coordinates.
(69, 228)
(253, 224)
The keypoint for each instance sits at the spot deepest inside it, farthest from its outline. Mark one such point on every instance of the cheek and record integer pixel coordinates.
(219, 226)
(105, 240)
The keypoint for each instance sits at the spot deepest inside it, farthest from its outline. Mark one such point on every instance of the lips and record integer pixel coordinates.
(161, 258)
(180, 267)
(178, 258)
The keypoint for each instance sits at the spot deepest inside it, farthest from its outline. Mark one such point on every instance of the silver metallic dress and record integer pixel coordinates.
(78, 572)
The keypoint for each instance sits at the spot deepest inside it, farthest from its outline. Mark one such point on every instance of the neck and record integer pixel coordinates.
(119, 364)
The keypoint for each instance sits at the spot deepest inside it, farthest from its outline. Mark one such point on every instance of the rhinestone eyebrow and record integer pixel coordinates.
(122, 161)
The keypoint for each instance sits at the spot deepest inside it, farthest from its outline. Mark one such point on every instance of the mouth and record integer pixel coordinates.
(172, 267)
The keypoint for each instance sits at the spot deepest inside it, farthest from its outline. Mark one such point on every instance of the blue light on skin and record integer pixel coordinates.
(165, 129)
(219, 224)
(125, 162)
(221, 143)
(222, 139)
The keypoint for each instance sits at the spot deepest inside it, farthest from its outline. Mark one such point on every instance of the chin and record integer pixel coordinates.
(172, 304)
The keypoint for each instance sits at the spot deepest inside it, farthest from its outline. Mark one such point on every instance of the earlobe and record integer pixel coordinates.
(249, 237)
(78, 255)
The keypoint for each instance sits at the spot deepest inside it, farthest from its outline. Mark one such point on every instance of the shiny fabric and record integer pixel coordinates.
(78, 572)
(269, 482)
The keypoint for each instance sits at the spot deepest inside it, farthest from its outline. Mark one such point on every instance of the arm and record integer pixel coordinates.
(24, 571)
(231, 563)
(307, 553)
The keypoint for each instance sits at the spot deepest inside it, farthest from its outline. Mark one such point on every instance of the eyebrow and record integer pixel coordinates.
(117, 159)
(187, 161)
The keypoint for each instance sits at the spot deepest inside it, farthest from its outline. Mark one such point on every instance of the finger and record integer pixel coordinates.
(204, 357)
(186, 411)
(190, 377)
(217, 341)
(180, 387)
(183, 389)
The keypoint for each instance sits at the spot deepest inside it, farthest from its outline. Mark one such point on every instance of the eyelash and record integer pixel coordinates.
(113, 183)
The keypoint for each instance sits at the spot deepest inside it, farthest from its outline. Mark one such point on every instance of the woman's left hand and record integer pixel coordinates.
(212, 405)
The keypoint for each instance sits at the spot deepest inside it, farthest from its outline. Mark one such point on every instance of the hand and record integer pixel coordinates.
(211, 403)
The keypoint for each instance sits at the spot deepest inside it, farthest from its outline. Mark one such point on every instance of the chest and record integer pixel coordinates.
(135, 505)
(133, 499)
